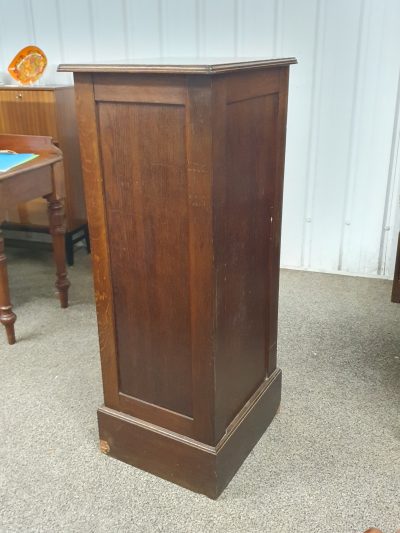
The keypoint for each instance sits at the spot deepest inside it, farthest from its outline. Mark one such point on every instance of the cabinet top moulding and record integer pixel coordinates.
(179, 65)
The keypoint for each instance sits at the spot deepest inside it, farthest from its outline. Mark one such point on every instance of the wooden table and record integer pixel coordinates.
(183, 172)
(41, 177)
(47, 110)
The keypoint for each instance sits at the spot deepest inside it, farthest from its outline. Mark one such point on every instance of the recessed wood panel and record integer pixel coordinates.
(155, 90)
(257, 84)
(243, 229)
(144, 160)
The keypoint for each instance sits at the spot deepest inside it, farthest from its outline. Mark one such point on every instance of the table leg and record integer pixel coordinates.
(57, 231)
(7, 317)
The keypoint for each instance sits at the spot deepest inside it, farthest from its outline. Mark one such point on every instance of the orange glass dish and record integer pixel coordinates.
(28, 65)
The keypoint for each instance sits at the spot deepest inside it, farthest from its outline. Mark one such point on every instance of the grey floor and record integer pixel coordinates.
(330, 462)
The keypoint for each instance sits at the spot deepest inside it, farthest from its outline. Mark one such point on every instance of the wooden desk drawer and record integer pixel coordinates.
(29, 112)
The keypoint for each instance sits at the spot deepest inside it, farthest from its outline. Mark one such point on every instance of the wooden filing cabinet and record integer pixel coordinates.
(47, 110)
(184, 162)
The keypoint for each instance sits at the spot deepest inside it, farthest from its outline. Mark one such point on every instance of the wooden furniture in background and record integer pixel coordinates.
(40, 177)
(185, 164)
(50, 111)
(396, 278)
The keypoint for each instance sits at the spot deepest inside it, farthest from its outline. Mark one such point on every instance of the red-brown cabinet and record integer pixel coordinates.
(183, 168)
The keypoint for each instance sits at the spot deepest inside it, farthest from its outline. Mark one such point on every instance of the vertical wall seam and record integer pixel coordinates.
(275, 41)
(312, 154)
(201, 27)
(3, 61)
(351, 164)
(278, 29)
(198, 24)
(92, 29)
(236, 11)
(392, 188)
(241, 15)
(161, 29)
(60, 31)
(127, 39)
(31, 17)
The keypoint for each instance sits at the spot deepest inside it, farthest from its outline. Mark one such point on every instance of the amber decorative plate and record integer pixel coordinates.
(28, 65)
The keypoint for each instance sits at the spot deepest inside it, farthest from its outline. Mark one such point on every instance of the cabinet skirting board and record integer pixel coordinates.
(184, 461)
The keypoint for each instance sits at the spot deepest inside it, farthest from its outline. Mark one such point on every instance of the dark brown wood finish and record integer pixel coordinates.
(186, 166)
(165, 65)
(149, 260)
(7, 316)
(396, 277)
(40, 177)
(95, 204)
(57, 231)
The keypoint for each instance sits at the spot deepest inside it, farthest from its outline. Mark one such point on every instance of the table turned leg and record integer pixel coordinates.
(57, 231)
(7, 317)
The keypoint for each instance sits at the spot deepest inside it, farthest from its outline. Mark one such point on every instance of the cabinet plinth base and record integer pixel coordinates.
(189, 463)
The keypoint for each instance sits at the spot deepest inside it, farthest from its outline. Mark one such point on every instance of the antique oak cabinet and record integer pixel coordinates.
(183, 170)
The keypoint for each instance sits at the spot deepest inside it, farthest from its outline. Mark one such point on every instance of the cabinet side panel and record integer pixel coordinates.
(276, 223)
(146, 192)
(199, 156)
(94, 194)
(244, 202)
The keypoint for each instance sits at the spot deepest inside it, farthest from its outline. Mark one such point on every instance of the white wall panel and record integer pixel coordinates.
(11, 40)
(391, 221)
(301, 18)
(334, 113)
(387, 126)
(144, 28)
(219, 27)
(180, 40)
(76, 23)
(341, 200)
(256, 34)
(370, 154)
(109, 30)
(47, 25)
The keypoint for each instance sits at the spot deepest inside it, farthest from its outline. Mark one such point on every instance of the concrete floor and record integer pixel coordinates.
(329, 463)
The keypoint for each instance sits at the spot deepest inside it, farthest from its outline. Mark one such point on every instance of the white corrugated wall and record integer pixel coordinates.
(341, 205)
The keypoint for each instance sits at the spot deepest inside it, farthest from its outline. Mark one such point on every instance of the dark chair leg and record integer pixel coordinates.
(57, 232)
(69, 248)
(87, 239)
